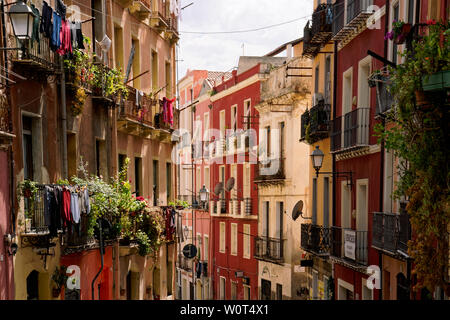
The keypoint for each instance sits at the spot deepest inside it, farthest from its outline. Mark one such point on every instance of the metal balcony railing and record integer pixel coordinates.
(391, 232)
(184, 263)
(355, 133)
(269, 249)
(35, 219)
(80, 237)
(315, 238)
(349, 245)
(348, 16)
(315, 123)
(248, 206)
(322, 20)
(137, 112)
(38, 55)
(274, 170)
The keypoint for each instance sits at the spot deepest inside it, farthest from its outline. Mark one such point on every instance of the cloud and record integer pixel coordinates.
(220, 52)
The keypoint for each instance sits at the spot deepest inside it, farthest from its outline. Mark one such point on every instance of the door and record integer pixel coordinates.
(265, 290)
(33, 285)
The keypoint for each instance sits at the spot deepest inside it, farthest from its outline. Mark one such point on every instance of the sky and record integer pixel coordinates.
(220, 52)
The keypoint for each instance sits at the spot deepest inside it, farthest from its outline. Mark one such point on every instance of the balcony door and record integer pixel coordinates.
(265, 290)
(361, 220)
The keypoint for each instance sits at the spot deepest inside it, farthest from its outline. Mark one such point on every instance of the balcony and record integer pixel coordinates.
(172, 30)
(356, 131)
(135, 118)
(315, 123)
(141, 9)
(320, 31)
(391, 232)
(184, 263)
(315, 239)
(246, 207)
(349, 17)
(100, 92)
(159, 18)
(269, 249)
(349, 246)
(37, 58)
(78, 240)
(271, 173)
(384, 97)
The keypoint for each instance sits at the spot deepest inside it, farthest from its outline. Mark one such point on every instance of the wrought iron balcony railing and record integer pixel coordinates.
(322, 20)
(315, 238)
(134, 114)
(355, 133)
(184, 263)
(349, 245)
(38, 56)
(391, 232)
(315, 123)
(273, 170)
(349, 16)
(269, 249)
(35, 221)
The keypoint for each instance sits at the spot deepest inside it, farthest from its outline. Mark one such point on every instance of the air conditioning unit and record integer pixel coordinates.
(317, 97)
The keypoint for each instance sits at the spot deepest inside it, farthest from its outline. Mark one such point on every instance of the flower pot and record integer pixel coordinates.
(437, 81)
(420, 97)
(400, 39)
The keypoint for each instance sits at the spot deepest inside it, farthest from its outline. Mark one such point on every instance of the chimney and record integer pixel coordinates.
(289, 51)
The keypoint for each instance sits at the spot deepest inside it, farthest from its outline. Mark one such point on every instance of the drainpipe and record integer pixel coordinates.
(335, 77)
(12, 226)
(64, 121)
(101, 267)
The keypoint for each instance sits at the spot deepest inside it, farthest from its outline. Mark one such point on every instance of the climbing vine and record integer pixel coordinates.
(418, 135)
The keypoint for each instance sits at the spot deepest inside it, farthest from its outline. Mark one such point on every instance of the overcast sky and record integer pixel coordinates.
(220, 52)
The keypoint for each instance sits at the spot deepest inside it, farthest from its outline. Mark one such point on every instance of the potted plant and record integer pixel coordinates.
(59, 279)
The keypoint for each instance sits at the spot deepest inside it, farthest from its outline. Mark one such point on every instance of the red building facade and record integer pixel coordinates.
(234, 206)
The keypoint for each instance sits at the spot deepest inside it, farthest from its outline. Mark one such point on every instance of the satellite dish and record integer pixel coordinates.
(230, 184)
(297, 211)
(218, 188)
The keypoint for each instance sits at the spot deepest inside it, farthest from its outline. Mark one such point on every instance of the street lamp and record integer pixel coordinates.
(22, 18)
(317, 159)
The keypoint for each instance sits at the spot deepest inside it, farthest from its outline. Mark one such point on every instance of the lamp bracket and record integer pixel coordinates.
(336, 174)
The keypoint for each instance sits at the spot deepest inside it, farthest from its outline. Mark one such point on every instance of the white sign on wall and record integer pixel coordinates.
(299, 268)
(349, 244)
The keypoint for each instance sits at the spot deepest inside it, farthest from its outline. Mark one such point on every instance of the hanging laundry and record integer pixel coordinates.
(79, 36)
(56, 42)
(139, 97)
(86, 207)
(55, 215)
(73, 34)
(61, 9)
(35, 31)
(168, 110)
(65, 39)
(65, 212)
(75, 207)
(46, 22)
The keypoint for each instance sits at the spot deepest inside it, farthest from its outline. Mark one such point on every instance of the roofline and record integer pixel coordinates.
(283, 47)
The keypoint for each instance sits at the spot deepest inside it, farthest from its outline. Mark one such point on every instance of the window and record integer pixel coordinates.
(122, 158)
(222, 179)
(316, 79)
(266, 219)
(199, 246)
(281, 127)
(314, 201)
(222, 288)
(199, 290)
(155, 182)
(247, 114)
(168, 181)
(72, 155)
(234, 117)
(118, 48)
(233, 290)
(345, 205)
(279, 222)
(168, 80)
(169, 277)
(206, 127)
(347, 92)
(388, 181)
(198, 180)
(246, 241)
(234, 243)
(27, 124)
(206, 248)
(155, 84)
(222, 237)
(411, 11)
(395, 16)
(138, 176)
(327, 84)
(136, 64)
(326, 201)
(363, 84)
(100, 158)
(206, 178)
(315, 283)
(367, 294)
(247, 295)
(279, 292)
(246, 179)
(267, 138)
